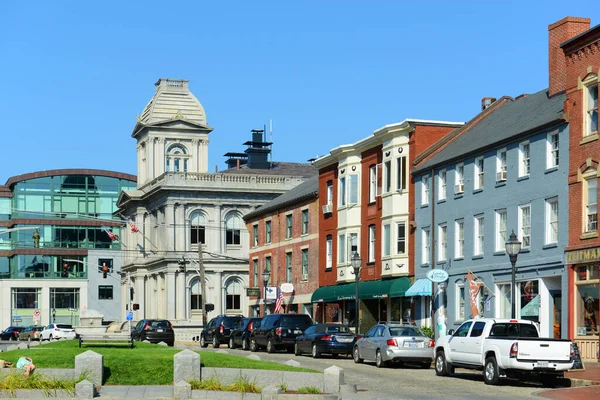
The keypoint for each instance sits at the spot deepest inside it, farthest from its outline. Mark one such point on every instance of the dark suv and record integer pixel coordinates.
(218, 330)
(11, 333)
(277, 331)
(154, 331)
(240, 335)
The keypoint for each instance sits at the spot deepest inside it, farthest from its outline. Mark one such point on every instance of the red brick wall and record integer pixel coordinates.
(370, 215)
(328, 225)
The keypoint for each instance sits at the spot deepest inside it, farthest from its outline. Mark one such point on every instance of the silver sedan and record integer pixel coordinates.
(398, 343)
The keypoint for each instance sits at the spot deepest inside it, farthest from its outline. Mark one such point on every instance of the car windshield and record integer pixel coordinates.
(230, 322)
(514, 330)
(337, 329)
(159, 324)
(61, 326)
(406, 331)
(293, 321)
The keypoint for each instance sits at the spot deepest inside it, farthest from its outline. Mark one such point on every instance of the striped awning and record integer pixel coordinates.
(421, 287)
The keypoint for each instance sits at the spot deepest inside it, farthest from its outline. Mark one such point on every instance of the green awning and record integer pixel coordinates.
(376, 289)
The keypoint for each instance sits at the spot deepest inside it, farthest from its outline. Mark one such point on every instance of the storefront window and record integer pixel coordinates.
(505, 299)
(530, 300)
(587, 308)
(333, 312)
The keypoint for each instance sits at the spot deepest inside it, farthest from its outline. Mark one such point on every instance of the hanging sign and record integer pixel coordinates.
(287, 287)
(437, 275)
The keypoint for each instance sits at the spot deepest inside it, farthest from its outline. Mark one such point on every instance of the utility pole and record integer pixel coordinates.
(129, 299)
(202, 283)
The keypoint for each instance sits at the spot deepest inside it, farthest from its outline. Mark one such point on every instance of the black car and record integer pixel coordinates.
(154, 331)
(11, 333)
(331, 339)
(240, 335)
(218, 330)
(278, 331)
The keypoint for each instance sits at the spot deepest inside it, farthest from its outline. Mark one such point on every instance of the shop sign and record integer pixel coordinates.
(252, 291)
(287, 287)
(585, 255)
(271, 293)
(437, 275)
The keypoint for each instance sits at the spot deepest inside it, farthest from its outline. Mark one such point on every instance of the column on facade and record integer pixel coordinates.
(180, 295)
(155, 157)
(204, 155)
(170, 295)
(138, 295)
(217, 292)
(44, 303)
(181, 241)
(223, 297)
(169, 227)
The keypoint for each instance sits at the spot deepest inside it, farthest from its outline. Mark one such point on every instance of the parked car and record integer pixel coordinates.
(218, 330)
(240, 334)
(278, 331)
(32, 332)
(504, 348)
(331, 339)
(57, 331)
(154, 331)
(11, 333)
(399, 343)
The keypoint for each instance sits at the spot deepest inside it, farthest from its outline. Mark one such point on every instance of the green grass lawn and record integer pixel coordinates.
(146, 364)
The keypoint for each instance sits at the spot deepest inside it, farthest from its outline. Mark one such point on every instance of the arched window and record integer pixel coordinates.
(233, 225)
(196, 295)
(234, 294)
(197, 228)
(176, 159)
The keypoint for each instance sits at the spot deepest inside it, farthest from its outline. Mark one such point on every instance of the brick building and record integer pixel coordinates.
(574, 64)
(367, 206)
(284, 242)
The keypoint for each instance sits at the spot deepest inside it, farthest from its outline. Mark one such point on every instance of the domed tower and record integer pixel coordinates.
(171, 133)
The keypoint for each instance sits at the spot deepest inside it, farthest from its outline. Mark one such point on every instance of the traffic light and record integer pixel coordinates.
(136, 307)
(104, 271)
(65, 272)
(182, 264)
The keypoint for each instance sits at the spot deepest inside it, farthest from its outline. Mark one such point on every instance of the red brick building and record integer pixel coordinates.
(574, 66)
(284, 242)
(367, 206)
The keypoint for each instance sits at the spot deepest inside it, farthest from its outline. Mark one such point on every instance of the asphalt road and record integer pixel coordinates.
(408, 382)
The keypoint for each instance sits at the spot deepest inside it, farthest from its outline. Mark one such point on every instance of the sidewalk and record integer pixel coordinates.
(585, 384)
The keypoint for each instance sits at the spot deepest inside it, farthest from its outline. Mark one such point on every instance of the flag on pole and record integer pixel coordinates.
(134, 228)
(279, 303)
(473, 292)
(113, 236)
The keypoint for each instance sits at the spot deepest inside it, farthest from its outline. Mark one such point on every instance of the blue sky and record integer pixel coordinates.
(75, 74)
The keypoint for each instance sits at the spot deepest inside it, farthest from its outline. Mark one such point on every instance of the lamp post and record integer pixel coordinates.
(356, 262)
(266, 274)
(513, 247)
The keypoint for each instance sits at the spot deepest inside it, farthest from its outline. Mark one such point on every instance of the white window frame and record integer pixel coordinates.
(329, 252)
(387, 240)
(342, 192)
(590, 203)
(255, 235)
(353, 184)
(442, 242)
(425, 190)
(387, 176)
(401, 171)
(459, 178)
(425, 245)
(400, 239)
(460, 301)
(552, 150)
(525, 226)
(459, 238)
(442, 180)
(478, 173)
(372, 183)
(372, 240)
(479, 235)
(552, 220)
(524, 159)
(501, 230)
(341, 249)
(591, 82)
(501, 170)
(329, 193)
(268, 231)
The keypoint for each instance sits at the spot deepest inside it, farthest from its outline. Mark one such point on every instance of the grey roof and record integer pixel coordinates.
(514, 118)
(306, 190)
(173, 99)
(277, 168)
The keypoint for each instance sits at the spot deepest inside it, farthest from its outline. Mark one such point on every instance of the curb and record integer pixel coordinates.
(577, 382)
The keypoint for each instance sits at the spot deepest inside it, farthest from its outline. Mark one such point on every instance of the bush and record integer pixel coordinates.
(428, 331)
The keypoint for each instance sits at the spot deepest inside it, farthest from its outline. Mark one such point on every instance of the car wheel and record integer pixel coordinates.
(270, 346)
(216, 343)
(253, 345)
(231, 344)
(379, 360)
(297, 350)
(18, 338)
(29, 339)
(356, 355)
(315, 351)
(50, 338)
(203, 342)
(490, 371)
(244, 344)
(441, 368)
(12, 338)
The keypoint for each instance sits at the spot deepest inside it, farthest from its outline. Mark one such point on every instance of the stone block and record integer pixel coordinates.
(182, 390)
(84, 390)
(333, 378)
(90, 364)
(33, 344)
(186, 366)
(296, 380)
(348, 388)
(22, 346)
(162, 344)
(292, 363)
(146, 341)
(271, 392)
(12, 347)
(253, 357)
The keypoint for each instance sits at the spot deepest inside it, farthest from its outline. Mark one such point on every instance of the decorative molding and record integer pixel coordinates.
(342, 171)
(400, 150)
(584, 52)
(354, 168)
(387, 153)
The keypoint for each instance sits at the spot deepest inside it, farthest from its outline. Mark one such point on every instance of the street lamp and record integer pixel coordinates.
(266, 274)
(356, 262)
(513, 247)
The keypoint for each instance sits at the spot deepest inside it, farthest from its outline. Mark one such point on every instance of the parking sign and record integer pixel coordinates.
(129, 315)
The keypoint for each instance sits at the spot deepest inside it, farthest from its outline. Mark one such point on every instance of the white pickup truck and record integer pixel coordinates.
(503, 348)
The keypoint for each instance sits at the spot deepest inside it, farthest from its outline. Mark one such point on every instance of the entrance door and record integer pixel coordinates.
(557, 300)
(369, 310)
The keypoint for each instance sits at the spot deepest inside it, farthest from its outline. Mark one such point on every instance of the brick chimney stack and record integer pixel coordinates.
(558, 33)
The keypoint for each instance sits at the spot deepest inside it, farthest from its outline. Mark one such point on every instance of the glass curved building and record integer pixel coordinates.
(54, 240)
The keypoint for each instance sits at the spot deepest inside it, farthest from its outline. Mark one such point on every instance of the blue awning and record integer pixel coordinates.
(421, 287)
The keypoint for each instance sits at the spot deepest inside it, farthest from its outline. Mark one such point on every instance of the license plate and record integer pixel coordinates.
(542, 364)
(344, 339)
(410, 344)
(159, 330)
(297, 332)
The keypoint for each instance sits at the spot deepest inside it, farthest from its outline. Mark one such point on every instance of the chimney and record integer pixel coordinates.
(558, 33)
(486, 102)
